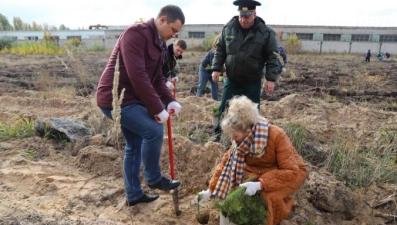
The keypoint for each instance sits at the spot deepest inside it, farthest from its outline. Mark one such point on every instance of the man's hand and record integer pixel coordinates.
(169, 85)
(174, 106)
(174, 79)
(162, 117)
(215, 76)
(269, 87)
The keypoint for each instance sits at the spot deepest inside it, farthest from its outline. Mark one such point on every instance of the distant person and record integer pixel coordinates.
(283, 55)
(281, 65)
(246, 46)
(368, 56)
(173, 53)
(387, 55)
(146, 101)
(380, 57)
(205, 72)
(261, 159)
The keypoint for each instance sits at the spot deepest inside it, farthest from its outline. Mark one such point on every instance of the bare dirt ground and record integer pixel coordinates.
(47, 182)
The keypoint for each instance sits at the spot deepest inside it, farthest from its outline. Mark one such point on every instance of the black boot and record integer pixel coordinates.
(165, 184)
(144, 199)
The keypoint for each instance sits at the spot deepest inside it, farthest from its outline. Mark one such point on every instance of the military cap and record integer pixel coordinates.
(246, 7)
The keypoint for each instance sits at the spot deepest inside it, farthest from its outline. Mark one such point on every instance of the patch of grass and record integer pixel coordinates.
(31, 48)
(43, 129)
(21, 128)
(97, 46)
(360, 166)
(298, 135)
(45, 81)
(309, 222)
(31, 154)
(195, 132)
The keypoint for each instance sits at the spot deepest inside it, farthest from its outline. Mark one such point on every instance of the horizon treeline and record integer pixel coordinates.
(18, 24)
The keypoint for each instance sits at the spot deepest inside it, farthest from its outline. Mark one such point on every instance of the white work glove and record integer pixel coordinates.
(169, 85)
(175, 79)
(252, 187)
(204, 196)
(174, 106)
(162, 117)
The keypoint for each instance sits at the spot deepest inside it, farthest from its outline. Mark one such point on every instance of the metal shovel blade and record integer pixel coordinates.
(175, 201)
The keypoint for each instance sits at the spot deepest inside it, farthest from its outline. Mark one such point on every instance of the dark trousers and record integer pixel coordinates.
(251, 90)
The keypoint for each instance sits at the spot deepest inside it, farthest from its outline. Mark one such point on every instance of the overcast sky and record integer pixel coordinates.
(82, 13)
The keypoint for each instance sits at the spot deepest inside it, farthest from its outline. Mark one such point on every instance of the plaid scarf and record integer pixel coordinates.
(255, 145)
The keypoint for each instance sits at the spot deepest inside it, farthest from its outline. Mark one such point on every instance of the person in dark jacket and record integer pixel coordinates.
(283, 55)
(245, 47)
(174, 52)
(380, 57)
(140, 49)
(387, 55)
(205, 72)
(368, 56)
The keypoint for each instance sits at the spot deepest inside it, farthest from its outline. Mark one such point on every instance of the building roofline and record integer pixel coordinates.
(306, 26)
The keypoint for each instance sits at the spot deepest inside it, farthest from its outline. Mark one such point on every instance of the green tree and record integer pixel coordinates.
(63, 27)
(18, 23)
(4, 23)
(27, 26)
(36, 26)
(46, 26)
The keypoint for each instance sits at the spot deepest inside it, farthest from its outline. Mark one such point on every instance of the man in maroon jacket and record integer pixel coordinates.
(141, 49)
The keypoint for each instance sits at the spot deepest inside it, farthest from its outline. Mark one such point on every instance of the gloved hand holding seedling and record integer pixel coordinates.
(202, 218)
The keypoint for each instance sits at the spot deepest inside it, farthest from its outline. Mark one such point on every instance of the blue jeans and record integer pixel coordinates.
(204, 77)
(144, 139)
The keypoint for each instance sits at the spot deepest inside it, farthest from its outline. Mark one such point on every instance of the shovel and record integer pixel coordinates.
(174, 91)
(175, 199)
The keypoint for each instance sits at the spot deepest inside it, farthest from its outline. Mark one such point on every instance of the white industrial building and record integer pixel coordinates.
(314, 38)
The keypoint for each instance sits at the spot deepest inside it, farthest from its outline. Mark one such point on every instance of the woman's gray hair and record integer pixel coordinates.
(241, 115)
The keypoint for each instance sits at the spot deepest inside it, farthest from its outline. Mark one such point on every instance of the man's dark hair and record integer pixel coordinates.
(173, 13)
(181, 43)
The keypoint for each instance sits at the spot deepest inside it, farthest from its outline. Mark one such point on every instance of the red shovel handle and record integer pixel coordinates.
(174, 83)
(170, 147)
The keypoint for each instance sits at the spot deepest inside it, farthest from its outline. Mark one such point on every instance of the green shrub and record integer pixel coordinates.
(97, 46)
(293, 44)
(242, 209)
(207, 43)
(5, 43)
(73, 42)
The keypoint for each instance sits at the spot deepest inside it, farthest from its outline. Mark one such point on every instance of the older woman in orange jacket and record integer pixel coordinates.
(261, 153)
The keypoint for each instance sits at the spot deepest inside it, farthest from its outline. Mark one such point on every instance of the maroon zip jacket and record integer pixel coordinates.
(141, 60)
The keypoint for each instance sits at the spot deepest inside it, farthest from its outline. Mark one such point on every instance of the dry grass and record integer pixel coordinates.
(117, 100)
